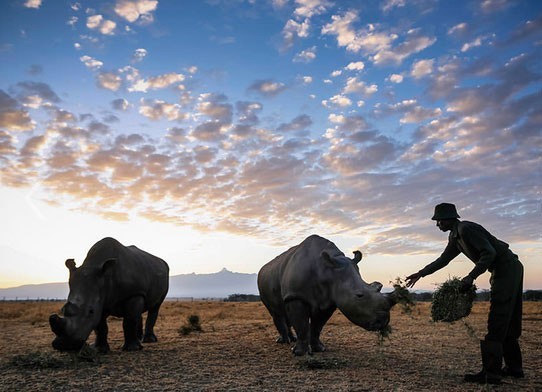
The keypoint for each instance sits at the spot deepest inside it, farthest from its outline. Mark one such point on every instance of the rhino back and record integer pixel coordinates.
(135, 272)
(296, 273)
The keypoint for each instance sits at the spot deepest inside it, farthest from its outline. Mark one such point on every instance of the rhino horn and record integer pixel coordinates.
(57, 324)
(70, 264)
(392, 298)
(357, 256)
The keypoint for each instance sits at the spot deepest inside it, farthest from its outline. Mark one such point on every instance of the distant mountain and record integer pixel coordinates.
(216, 285)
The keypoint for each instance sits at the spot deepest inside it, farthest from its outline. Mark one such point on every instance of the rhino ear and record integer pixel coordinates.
(70, 264)
(326, 257)
(330, 260)
(357, 256)
(108, 265)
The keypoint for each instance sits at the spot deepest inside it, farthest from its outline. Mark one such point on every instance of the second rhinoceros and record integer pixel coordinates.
(117, 280)
(302, 287)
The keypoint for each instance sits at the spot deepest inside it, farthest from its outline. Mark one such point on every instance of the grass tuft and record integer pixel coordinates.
(451, 302)
(193, 325)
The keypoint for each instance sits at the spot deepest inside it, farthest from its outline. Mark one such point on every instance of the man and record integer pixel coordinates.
(505, 311)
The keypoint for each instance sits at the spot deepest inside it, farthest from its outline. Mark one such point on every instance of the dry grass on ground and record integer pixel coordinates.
(237, 352)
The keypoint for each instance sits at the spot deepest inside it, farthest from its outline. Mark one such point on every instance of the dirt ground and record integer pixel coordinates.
(236, 351)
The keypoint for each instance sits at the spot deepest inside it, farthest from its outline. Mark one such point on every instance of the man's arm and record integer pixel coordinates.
(450, 252)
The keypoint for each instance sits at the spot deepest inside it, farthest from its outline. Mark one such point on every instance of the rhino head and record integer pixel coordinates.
(362, 303)
(84, 308)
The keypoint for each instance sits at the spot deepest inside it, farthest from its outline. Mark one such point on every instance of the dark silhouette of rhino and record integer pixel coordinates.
(117, 280)
(303, 286)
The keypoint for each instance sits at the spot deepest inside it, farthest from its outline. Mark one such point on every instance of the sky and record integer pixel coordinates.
(218, 134)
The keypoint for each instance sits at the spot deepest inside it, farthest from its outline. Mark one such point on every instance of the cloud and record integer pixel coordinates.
(247, 112)
(104, 26)
(293, 30)
(267, 88)
(396, 78)
(109, 81)
(388, 5)
(301, 122)
(120, 104)
(305, 56)
(25, 91)
(139, 55)
(356, 86)
(310, 8)
(12, 117)
(216, 107)
(411, 111)
(32, 4)
(422, 68)
(340, 101)
(490, 6)
(378, 45)
(458, 29)
(158, 109)
(355, 66)
(91, 63)
(134, 10)
(529, 29)
(138, 84)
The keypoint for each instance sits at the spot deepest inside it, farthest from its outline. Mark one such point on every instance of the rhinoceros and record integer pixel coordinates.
(303, 286)
(117, 280)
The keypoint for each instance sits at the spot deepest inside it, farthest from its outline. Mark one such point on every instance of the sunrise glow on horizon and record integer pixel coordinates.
(217, 134)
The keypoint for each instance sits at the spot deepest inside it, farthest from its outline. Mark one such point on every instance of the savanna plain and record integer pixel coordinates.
(236, 351)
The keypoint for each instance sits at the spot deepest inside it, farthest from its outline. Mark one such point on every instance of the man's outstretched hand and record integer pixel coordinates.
(412, 279)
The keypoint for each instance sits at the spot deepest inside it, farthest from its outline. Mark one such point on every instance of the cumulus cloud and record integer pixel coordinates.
(104, 26)
(396, 78)
(139, 55)
(153, 83)
(410, 111)
(120, 104)
(355, 66)
(356, 86)
(378, 45)
(299, 123)
(109, 81)
(32, 4)
(310, 8)
(157, 109)
(305, 56)
(268, 88)
(458, 29)
(134, 10)
(339, 101)
(293, 30)
(12, 117)
(91, 63)
(422, 68)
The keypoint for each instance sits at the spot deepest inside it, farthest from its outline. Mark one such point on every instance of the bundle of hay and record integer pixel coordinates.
(451, 301)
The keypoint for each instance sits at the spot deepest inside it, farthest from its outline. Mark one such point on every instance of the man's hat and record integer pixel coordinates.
(445, 211)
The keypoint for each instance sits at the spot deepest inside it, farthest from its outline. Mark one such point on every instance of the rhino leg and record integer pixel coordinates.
(101, 331)
(131, 323)
(140, 328)
(318, 321)
(281, 323)
(152, 315)
(299, 313)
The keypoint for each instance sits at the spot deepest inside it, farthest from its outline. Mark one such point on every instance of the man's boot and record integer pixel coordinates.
(491, 364)
(512, 359)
